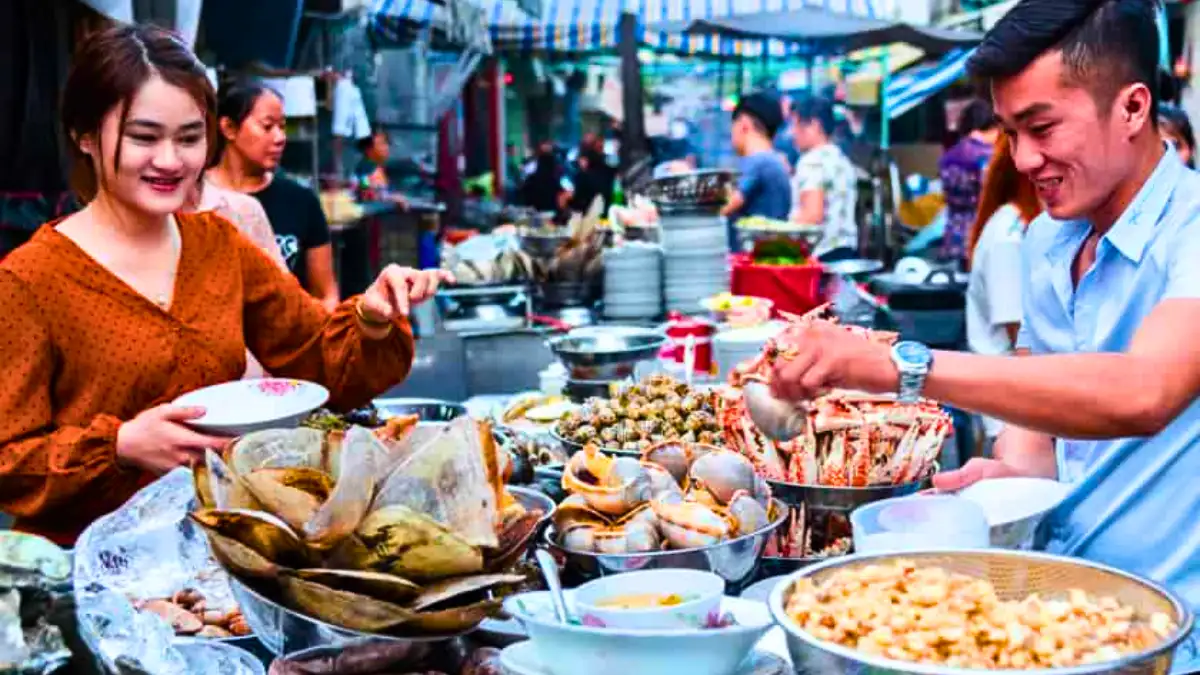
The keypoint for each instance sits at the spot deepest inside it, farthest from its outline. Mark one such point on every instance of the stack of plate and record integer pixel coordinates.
(734, 346)
(633, 281)
(696, 254)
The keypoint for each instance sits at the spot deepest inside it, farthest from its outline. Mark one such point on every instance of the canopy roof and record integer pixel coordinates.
(817, 32)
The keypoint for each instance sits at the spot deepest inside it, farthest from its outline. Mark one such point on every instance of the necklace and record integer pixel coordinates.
(163, 299)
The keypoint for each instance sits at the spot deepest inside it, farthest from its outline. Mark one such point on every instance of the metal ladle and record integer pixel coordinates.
(779, 420)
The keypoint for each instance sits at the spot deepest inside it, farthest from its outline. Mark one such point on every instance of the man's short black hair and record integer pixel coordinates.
(978, 115)
(763, 109)
(1105, 44)
(816, 109)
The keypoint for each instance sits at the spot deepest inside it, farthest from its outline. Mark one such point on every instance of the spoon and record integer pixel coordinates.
(549, 569)
(779, 420)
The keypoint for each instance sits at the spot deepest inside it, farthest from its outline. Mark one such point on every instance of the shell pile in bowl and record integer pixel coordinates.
(656, 409)
(412, 534)
(679, 496)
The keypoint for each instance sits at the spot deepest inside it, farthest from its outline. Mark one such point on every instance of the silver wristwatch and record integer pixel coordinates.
(913, 360)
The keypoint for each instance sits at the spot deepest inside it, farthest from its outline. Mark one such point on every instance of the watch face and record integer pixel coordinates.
(913, 354)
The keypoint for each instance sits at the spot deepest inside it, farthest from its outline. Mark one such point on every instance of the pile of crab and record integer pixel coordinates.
(852, 439)
(677, 496)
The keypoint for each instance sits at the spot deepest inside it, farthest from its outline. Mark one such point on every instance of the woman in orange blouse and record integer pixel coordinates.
(109, 314)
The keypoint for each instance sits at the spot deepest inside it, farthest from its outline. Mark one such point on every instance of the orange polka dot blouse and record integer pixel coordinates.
(80, 352)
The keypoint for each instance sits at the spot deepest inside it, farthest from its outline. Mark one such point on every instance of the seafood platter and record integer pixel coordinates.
(856, 449)
(407, 531)
(34, 575)
(635, 416)
(680, 505)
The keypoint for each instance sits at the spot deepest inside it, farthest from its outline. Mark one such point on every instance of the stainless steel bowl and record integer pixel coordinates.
(734, 561)
(572, 447)
(1015, 575)
(827, 498)
(428, 409)
(600, 348)
(284, 630)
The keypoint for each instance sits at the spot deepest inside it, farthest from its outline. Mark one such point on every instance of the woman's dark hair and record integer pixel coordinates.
(816, 109)
(978, 115)
(1176, 123)
(235, 102)
(1105, 44)
(108, 70)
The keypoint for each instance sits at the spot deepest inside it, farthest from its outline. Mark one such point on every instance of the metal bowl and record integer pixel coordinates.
(283, 631)
(1015, 574)
(734, 561)
(827, 498)
(428, 409)
(599, 348)
(572, 447)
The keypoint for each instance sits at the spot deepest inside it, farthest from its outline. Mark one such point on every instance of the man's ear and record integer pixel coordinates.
(1134, 105)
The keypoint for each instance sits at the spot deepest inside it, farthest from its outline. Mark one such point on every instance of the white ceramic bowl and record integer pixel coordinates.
(245, 406)
(701, 593)
(574, 649)
(1014, 507)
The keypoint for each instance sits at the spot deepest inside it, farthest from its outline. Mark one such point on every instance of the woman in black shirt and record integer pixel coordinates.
(252, 133)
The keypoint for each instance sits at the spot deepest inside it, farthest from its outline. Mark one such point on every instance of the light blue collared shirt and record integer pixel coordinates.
(1135, 502)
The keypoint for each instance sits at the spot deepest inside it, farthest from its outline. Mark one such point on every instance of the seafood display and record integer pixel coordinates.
(852, 439)
(188, 615)
(678, 496)
(930, 615)
(659, 408)
(406, 530)
(34, 575)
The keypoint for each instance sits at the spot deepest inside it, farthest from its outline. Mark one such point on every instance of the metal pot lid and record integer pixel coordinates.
(852, 268)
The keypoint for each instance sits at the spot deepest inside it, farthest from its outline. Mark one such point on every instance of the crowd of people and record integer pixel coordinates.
(821, 190)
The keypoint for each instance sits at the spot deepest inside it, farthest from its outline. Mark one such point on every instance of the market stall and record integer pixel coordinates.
(341, 547)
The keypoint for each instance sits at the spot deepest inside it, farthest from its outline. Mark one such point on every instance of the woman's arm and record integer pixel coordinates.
(43, 466)
(294, 336)
(321, 280)
(808, 190)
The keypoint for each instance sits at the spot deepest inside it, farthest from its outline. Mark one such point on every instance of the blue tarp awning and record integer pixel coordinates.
(914, 86)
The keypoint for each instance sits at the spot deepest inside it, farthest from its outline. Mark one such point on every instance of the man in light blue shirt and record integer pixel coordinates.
(1108, 400)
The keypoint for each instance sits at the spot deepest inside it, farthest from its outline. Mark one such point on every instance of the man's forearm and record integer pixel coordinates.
(1069, 395)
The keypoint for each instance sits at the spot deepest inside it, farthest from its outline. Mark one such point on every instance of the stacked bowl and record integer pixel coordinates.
(736, 345)
(633, 282)
(696, 258)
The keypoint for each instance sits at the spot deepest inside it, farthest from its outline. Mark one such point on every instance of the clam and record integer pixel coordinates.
(673, 456)
(410, 544)
(453, 620)
(448, 589)
(377, 585)
(691, 524)
(515, 535)
(218, 484)
(261, 532)
(722, 473)
(633, 537)
(343, 608)
(363, 459)
(241, 559)
(609, 486)
(293, 505)
(748, 514)
(284, 448)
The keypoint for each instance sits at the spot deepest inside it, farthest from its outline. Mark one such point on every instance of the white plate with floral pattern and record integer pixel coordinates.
(245, 406)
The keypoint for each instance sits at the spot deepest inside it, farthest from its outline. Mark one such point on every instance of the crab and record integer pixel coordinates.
(852, 439)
